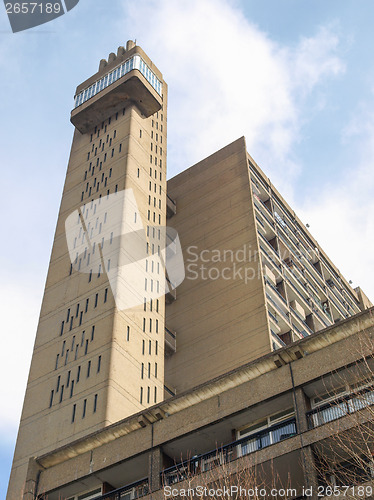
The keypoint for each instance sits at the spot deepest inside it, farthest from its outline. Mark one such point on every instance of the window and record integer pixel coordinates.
(68, 316)
(73, 415)
(68, 380)
(156, 348)
(78, 373)
(51, 398)
(128, 333)
(98, 364)
(90, 275)
(106, 290)
(62, 328)
(156, 325)
(63, 348)
(58, 383)
(112, 152)
(142, 371)
(96, 299)
(84, 408)
(66, 357)
(155, 394)
(143, 347)
(138, 172)
(87, 301)
(57, 358)
(72, 388)
(83, 335)
(149, 370)
(88, 369)
(150, 347)
(81, 318)
(155, 370)
(141, 395)
(95, 404)
(148, 393)
(61, 393)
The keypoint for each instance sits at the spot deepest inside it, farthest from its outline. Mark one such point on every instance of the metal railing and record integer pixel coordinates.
(275, 290)
(269, 245)
(304, 324)
(340, 407)
(129, 492)
(229, 452)
(279, 310)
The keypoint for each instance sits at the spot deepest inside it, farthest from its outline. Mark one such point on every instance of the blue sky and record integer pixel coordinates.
(296, 77)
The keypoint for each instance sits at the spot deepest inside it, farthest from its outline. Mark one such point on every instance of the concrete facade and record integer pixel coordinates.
(115, 398)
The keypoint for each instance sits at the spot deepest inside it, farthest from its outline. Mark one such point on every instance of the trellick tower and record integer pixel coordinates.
(94, 364)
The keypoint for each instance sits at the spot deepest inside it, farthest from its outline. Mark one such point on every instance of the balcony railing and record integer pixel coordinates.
(276, 291)
(306, 328)
(269, 245)
(279, 310)
(258, 204)
(340, 407)
(275, 264)
(129, 492)
(171, 207)
(170, 341)
(230, 452)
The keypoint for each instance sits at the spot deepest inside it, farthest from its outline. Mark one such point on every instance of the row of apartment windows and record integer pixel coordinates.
(155, 160)
(155, 323)
(155, 136)
(101, 142)
(104, 125)
(151, 304)
(65, 352)
(156, 148)
(70, 383)
(155, 172)
(142, 370)
(107, 193)
(84, 408)
(146, 394)
(149, 347)
(155, 124)
(96, 183)
(70, 317)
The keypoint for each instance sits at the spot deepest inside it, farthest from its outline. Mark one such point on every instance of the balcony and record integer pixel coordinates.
(277, 341)
(275, 293)
(124, 86)
(230, 452)
(128, 492)
(304, 329)
(171, 293)
(340, 407)
(170, 342)
(171, 207)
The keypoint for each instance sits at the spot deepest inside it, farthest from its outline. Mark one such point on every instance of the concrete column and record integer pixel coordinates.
(310, 472)
(154, 469)
(32, 479)
(301, 406)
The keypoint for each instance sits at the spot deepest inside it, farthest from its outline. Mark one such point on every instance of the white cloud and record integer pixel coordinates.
(341, 217)
(20, 311)
(227, 78)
